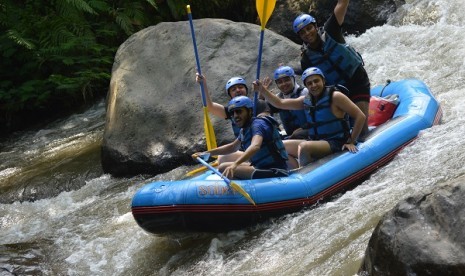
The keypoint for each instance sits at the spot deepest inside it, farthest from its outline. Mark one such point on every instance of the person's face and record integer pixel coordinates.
(309, 34)
(285, 84)
(315, 85)
(241, 116)
(237, 90)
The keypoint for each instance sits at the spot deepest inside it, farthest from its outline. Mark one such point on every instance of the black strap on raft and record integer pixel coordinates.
(382, 90)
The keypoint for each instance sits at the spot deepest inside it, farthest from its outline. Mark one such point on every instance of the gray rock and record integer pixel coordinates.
(154, 118)
(422, 235)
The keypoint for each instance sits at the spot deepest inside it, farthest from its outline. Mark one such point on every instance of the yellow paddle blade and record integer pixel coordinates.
(201, 169)
(209, 132)
(265, 9)
(240, 190)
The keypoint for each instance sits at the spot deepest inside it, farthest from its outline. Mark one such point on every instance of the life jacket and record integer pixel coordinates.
(272, 150)
(338, 61)
(292, 119)
(321, 122)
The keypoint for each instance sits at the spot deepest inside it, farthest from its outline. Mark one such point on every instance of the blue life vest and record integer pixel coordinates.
(322, 124)
(272, 151)
(292, 119)
(337, 61)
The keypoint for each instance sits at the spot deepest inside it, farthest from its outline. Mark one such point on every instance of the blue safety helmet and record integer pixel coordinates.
(310, 72)
(283, 71)
(233, 81)
(238, 102)
(302, 21)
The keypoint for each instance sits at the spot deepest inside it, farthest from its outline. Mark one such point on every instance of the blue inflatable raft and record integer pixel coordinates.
(205, 203)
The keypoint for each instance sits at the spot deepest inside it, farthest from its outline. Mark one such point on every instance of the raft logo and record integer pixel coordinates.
(215, 191)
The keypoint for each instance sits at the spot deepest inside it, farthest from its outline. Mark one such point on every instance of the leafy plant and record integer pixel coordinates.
(56, 55)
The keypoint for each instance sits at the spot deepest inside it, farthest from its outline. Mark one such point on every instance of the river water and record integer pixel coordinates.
(68, 218)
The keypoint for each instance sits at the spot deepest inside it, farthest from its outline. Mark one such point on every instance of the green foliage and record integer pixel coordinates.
(235, 10)
(56, 55)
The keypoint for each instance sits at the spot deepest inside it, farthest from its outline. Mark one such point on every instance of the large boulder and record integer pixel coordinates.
(422, 235)
(154, 115)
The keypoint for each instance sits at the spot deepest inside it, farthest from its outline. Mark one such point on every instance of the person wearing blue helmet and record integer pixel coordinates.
(292, 120)
(327, 110)
(327, 49)
(234, 87)
(262, 152)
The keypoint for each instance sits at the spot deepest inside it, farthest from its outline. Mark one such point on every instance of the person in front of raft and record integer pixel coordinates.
(326, 49)
(259, 140)
(327, 111)
(235, 86)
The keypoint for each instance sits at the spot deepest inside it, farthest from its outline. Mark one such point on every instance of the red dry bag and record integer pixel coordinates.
(382, 109)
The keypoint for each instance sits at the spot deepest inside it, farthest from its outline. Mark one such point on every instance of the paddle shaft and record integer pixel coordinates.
(264, 10)
(197, 60)
(259, 62)
(214, 170)
(209, 132)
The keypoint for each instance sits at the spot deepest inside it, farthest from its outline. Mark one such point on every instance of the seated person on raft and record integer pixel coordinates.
(260, 142)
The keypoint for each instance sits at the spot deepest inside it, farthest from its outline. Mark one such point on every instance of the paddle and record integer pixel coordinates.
(207, 125)
(231, 184)
(201, 169)
(265, 9)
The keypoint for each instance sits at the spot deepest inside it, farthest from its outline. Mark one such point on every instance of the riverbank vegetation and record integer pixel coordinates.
(56, 55)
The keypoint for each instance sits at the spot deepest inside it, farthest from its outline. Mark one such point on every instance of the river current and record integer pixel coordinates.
(85, 226)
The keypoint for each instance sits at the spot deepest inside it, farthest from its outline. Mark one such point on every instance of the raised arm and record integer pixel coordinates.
(289, 104)
(213, 107)
(340, 10)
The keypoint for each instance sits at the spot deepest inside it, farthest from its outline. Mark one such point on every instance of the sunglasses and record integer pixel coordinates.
(238, 111)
